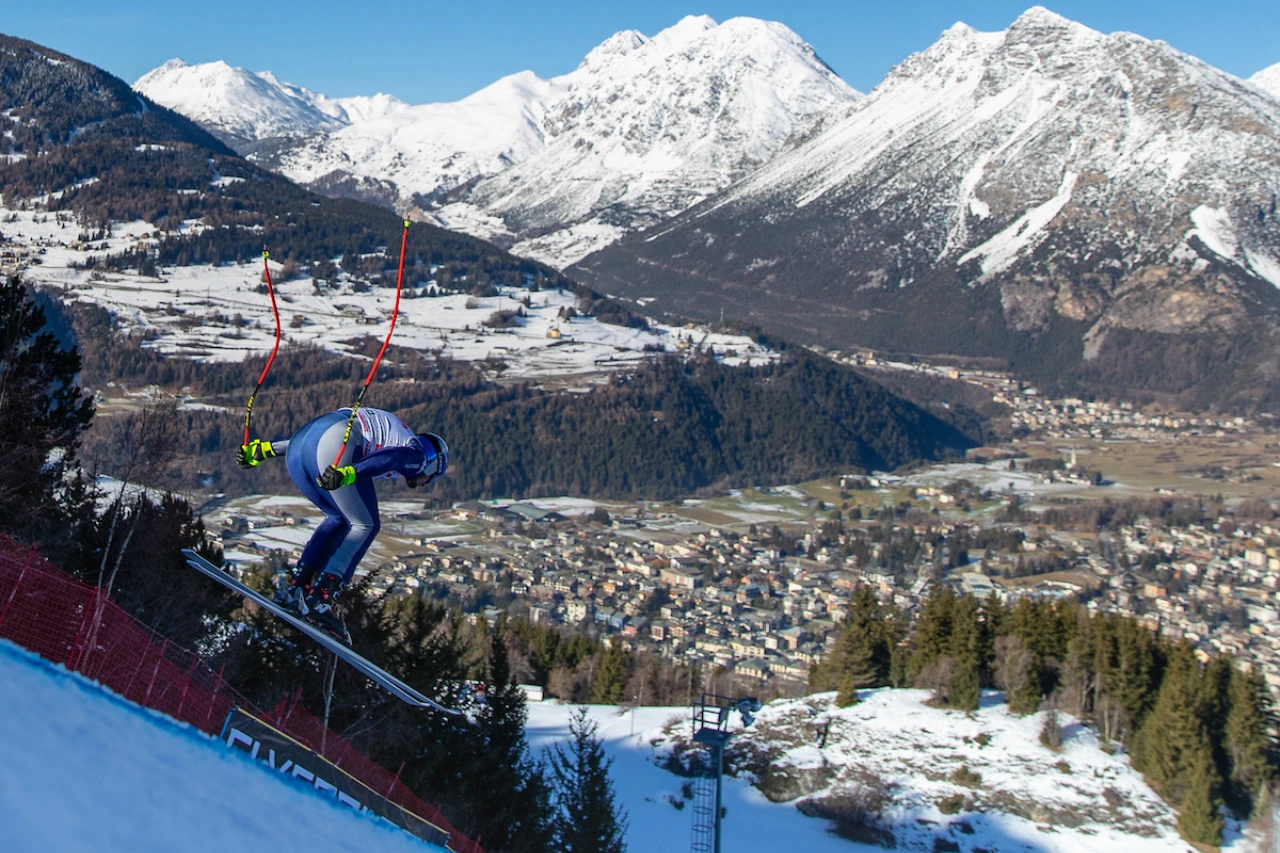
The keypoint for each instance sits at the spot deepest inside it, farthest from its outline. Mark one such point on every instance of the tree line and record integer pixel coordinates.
(1198, 730)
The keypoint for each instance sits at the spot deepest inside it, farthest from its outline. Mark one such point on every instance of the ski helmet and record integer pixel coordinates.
(437, 454)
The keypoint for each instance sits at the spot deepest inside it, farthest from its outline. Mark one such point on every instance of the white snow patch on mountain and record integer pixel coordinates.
(86, 770)
(251, 105)
(999, 253)
(1213, 227)
(1266, 267)
(1268, 79)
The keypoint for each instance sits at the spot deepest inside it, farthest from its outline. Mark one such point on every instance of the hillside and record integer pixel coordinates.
(84, 148)
(86, 770)
(885, 767)
(1093, 210)
(657, 430)
(170, 233)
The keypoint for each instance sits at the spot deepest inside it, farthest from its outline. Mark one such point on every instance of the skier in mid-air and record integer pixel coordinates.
(381, 446)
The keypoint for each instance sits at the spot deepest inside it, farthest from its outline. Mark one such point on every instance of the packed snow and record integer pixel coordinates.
(83, 770)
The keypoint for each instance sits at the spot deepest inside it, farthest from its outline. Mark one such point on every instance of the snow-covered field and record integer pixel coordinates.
(82, 771)
(217, 314)
(1077, 799)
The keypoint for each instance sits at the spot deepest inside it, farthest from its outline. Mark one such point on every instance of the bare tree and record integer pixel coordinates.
(146, 447)
(938, 678)
(1013, 661)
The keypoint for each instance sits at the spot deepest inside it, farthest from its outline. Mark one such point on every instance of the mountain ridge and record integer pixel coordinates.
(1268, 79)
(1024, 194)
(728, 97)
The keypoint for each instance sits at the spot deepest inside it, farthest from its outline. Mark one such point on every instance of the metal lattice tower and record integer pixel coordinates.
(711, 729)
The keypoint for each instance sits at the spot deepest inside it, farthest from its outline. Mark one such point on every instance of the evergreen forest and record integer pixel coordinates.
(1198, 730)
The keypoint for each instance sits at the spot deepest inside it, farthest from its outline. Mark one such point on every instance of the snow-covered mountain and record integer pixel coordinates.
(1027, 194)
(240, 106)
(642, 129)
(416, 153)
(888, 773)
(1268, 79)
(647, 127)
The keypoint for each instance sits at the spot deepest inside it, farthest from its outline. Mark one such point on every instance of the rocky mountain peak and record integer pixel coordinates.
(994, 190)
(617, 44)
(641, 129)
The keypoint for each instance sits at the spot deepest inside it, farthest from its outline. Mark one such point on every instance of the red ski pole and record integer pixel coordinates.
(248, 409)
(346, 437)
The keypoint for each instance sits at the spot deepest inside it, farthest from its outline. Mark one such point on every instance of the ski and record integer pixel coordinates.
(374, 673)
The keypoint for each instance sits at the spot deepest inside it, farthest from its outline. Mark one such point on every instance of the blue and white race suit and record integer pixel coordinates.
(381, 445)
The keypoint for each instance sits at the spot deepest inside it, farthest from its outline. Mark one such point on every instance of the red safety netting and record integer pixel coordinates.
(47, 611)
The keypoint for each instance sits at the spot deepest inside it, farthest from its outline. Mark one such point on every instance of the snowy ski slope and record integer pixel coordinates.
(83, 770)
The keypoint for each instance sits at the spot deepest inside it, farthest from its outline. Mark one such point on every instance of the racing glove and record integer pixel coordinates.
(254, 453)
(335, 478)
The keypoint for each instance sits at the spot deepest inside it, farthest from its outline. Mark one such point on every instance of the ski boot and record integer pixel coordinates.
(292, 595)
(319, 607)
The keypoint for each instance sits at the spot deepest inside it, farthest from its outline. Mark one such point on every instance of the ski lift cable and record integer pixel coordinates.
(395, 312)
(248, 409)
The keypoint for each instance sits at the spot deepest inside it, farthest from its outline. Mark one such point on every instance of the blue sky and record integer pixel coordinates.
(430, 51)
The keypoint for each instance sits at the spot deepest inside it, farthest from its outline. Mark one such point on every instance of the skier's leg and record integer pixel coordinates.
(304, 462)
(357, 503)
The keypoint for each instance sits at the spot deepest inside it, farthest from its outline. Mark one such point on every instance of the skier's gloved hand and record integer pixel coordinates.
(335, 478)
(254, 453)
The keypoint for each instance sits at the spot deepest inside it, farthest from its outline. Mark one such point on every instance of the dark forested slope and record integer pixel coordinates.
(671, 428)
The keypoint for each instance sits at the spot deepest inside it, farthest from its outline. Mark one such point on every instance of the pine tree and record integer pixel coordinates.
(42, 415)
(863, 655)
(506, 791)
(588, 819)
(1198, 817)
(933, 630)
(968, 646)
(610, 681)
(1246, 739)
(847, 694)
(1173, 736)
(965, 693)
